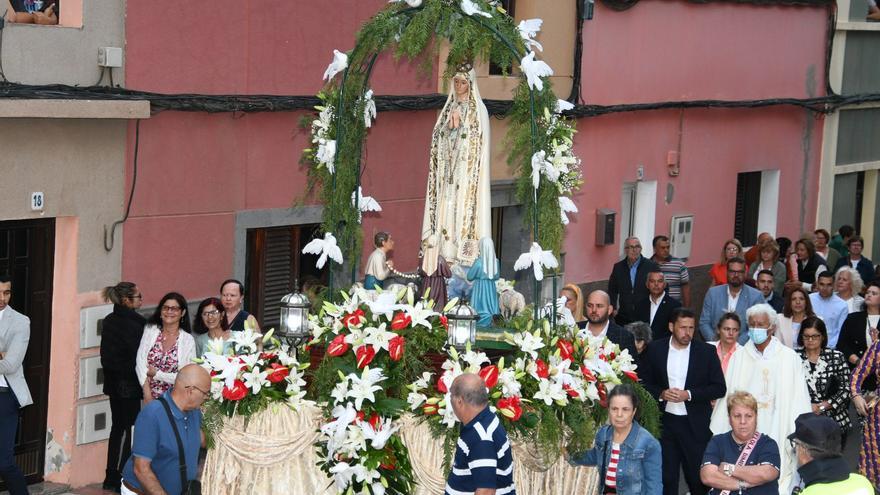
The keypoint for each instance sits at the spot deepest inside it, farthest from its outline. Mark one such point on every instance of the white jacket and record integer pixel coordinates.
(186, 352)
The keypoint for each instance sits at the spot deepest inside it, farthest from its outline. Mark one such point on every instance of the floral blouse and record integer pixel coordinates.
(828, 380)
(162, 361)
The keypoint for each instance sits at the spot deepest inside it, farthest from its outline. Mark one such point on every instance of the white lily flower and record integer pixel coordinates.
(475, 360)
(364, 387)
(415, 399)
(528, 343)
(385, 304)
(379, 436)
(343, 474)
(420, 315)
(340, 391)
(534, 71)
(550, 391)
(378, 337)
(255, 379)
(326, 153)
(245, 340)
(540, 165)
(227, 368)
(510, 386)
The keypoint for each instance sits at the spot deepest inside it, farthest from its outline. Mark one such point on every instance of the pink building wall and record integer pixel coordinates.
(198, 170)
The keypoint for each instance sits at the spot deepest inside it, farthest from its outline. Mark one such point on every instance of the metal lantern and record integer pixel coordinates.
(295, 317)
(462, 325)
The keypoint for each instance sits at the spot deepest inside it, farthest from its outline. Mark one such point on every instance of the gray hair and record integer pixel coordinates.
(854, 277)
(762, 309)
(474, 395)
(640, 331)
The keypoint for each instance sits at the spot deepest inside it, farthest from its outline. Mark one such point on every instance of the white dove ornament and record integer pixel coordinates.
(535, 70)
(566, 205)
(538, 259)
(364, 203)
(469, 7)
(528, 29)
(339, 63)
(326, 248)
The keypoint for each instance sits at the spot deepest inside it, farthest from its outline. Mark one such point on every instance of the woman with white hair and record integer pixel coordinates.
(484, 273)
(848, 285)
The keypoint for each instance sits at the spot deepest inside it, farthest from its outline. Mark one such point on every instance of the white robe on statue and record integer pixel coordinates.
(776, 380)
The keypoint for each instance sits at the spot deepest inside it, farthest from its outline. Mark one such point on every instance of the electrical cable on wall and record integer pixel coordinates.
(108, 246)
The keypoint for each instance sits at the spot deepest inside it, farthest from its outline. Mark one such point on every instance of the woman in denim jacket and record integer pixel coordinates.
(627, 456)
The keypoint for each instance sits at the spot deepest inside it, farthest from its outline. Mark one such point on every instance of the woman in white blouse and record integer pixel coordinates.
(848, 285)
(797, 307)
(165, 347)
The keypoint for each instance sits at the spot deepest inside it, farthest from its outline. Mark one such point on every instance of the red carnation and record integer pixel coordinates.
(566, 348)
(354, 319)
(365, 355)
(543, 370)
(338, 346)
(401, 320)
(237, 392)
(510, 407)
(278, 373)
(395, 347)
(489, 374)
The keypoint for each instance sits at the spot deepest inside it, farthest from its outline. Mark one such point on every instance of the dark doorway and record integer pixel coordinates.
(27, 253)
(275, 263)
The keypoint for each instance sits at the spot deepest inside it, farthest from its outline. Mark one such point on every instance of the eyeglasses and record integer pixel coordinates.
(139, 296)
(734, 272)
(210, 313)
(732, 248)
(171, 309)
(817, 336)
(633, 247)
(200, 390)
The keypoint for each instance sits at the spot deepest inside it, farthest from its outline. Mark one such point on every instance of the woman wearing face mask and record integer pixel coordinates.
(826, 372)
(627, 456)
(797, 307)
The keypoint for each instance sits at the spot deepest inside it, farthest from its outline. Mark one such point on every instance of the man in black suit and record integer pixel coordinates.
(656, 309)
(764, 283)
(600, 324)
(627, 282)
(685, 376)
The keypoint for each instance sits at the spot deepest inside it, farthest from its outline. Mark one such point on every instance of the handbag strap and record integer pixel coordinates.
(745, 454)
(180, 454)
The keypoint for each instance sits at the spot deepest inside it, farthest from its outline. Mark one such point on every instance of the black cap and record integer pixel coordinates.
(817, 431)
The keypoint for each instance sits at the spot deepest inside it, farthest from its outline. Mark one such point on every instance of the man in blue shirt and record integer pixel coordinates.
(828, 306)
(483, 464)
(153, 467)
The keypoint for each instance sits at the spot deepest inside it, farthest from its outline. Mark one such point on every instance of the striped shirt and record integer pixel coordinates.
(482, 458)
(675, 273)
(611, 473)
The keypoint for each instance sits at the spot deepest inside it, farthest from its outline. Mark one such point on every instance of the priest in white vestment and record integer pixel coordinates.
(773, 374)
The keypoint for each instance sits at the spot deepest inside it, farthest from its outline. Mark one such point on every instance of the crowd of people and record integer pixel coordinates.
(786, 330)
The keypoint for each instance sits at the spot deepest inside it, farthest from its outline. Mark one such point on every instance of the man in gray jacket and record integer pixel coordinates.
(734, 297)
(15, 332)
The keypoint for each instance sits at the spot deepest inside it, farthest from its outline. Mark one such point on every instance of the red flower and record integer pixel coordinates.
(365, 355)
(611, 356)
(401, 320)
(603, 395)
(588, 375)
(388, 465)
(570, 391)
(266, 356)
(444, 321)
(489, 374)
(374, 421)
(237, 392)
(395, 347)
(566, 348)
(543, 370)
(278, 373)
(430, 409)
(354, 319)
(359, 417)
(510, 408)
(632, 375)
(338, 346)
(441, 385)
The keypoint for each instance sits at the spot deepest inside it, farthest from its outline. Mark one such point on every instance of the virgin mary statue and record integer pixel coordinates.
(457, 203)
